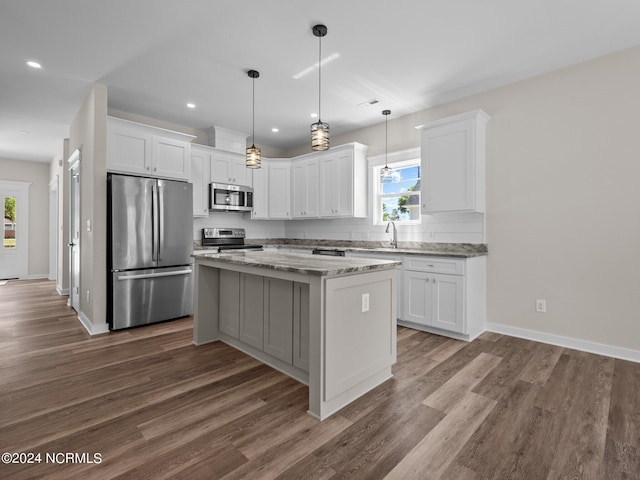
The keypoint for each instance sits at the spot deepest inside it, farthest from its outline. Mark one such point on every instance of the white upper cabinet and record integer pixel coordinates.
(453, 164)
(279, 190)
(343, 181)
(200, 166)
(305, 183)
(145, 150)
(230, 168)
(260, 192)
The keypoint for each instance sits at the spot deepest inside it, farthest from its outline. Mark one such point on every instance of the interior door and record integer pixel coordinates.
(14, 254)
(74, 230)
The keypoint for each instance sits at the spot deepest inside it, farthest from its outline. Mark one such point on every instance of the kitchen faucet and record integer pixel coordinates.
(394, 241)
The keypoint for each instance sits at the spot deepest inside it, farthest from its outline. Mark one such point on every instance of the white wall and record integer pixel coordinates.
(88, 132)
(38, 174)
(563, 202)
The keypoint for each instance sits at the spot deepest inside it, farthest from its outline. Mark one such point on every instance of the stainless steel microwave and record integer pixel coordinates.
(230, 198)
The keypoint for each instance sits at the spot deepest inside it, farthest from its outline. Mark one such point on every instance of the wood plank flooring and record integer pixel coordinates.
(153, 406)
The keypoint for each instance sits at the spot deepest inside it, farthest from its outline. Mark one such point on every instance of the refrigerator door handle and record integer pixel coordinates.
(160, 217)
(154, 223)
(154, 275)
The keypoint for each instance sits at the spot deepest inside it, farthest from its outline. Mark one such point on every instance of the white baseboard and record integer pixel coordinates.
(38, 276)
(62, 291)
(90, 328)
(574, 343)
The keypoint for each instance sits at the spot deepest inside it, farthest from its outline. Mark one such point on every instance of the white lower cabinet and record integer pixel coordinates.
(443, 295)
(447, 295)
(434, 300)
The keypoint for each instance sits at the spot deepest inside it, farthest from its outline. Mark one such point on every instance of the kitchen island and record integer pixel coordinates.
(328, 322)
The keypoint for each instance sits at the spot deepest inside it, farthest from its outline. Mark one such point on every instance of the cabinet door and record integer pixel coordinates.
(200, 165)
(229, 310)
(279, 192)
(305, 183)
(278, 318)
(251, 309)
(417, 297)
(299, 189)
(171, 158)
(128, 150)
(327, 192)
(220, 167)
(301, 326)
(260, 193)
(448, 307)
(343, 184)
(312, 209)
(453, 164)
(240, 174)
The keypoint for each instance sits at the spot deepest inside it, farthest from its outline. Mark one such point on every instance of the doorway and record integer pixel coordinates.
(74, 230)
(14, 249)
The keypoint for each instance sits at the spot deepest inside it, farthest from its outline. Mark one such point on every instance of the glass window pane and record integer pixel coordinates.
(401, 208)
(399, 200)
(9, 222)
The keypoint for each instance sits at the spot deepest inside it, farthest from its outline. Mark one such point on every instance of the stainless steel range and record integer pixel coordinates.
(227, 239)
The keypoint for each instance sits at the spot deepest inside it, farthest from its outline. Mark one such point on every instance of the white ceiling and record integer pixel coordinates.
(157, 55)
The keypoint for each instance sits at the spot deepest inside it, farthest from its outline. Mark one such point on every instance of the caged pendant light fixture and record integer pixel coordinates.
(386, 174)
(253, 153)
(319, 130)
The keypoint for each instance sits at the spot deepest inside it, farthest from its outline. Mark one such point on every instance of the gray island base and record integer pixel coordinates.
(328, 322)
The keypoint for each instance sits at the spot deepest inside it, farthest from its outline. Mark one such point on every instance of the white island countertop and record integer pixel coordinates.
(301, 263)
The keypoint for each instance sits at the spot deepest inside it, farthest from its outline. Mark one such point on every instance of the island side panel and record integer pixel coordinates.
(316, 346)
(206, 304)
(358, 347)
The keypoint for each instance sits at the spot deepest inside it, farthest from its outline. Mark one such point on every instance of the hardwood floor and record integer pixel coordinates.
(154, 406)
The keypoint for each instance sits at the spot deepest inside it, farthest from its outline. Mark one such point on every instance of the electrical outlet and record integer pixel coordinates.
(88, 296)
(541, 306)
(430, 234)
(365, 302)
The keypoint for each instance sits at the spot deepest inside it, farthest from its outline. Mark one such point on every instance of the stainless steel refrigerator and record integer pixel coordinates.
(149, 246)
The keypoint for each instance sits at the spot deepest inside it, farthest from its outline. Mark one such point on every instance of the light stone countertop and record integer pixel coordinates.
(300, 263)
(432, 249)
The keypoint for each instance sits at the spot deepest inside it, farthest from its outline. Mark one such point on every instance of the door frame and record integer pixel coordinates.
(53, 227)
(74, 283)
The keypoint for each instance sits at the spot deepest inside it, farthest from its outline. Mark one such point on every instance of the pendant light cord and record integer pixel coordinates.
(253, 113)
(319, 79)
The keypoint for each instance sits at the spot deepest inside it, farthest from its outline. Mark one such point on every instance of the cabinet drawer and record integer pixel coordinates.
(451, 266)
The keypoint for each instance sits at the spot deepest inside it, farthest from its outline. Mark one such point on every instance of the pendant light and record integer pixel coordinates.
(253, 153)
(319, 130)
(386, 174)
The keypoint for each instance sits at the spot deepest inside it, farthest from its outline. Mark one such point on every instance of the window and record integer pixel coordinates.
(9, 232)
(399, 200)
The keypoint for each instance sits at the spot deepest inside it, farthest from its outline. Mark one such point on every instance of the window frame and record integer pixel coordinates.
(405, 158)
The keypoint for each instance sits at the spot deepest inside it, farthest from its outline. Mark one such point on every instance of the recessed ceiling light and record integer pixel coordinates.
(33, 64)
(314, 115)
(191, 105)
(275, 130)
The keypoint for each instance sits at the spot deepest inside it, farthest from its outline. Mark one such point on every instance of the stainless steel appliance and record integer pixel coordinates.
(227, 239)
(230, 198)
(149, 246)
